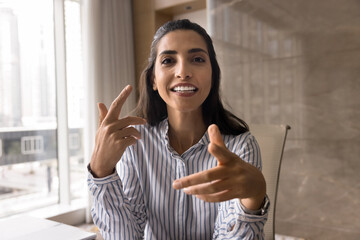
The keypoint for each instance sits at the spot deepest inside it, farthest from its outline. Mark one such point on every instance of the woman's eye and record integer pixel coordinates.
(166, 61)
(199, 59)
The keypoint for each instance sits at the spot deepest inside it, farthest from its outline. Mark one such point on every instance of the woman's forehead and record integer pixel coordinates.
(181, 39)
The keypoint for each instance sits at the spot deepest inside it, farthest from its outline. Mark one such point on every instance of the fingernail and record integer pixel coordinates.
(177, 184)
(186, 190)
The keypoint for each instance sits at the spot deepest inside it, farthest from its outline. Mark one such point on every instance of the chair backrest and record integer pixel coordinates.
(271, 139)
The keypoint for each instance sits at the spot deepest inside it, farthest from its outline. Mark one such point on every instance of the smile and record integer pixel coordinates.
(184, 89)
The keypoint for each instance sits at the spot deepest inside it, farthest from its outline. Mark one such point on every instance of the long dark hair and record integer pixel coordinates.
(152, 107)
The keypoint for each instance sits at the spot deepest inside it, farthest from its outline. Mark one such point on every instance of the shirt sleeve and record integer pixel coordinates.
(118, 213)
(232, 221)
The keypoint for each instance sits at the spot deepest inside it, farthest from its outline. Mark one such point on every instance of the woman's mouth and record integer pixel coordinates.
(184, 89)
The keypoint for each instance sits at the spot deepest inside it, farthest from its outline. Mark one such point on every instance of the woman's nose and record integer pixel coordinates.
(183, 71)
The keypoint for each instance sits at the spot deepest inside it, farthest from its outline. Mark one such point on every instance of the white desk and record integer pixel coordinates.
(26, 227)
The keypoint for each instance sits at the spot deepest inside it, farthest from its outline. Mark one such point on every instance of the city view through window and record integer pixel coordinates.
(29, 176)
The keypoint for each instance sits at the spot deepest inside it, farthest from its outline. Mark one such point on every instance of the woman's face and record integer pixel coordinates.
(183, 71)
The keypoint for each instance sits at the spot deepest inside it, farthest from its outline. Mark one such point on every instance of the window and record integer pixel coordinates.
(74, 141)
(0, 147)
(32, 145)
(31, 169)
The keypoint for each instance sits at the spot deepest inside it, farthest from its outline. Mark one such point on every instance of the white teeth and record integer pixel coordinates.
(184, 88)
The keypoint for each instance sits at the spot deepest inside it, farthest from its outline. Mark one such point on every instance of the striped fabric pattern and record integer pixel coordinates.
(138, 201)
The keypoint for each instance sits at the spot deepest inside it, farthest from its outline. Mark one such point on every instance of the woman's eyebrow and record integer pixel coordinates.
(168, 52)
(193, 50)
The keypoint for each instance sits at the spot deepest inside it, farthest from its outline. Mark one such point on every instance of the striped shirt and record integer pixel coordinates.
(137, 201)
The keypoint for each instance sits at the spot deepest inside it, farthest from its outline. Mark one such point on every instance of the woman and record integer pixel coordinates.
(184, 168)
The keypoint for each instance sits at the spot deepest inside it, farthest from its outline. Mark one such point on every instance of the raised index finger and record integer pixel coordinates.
(116, 105)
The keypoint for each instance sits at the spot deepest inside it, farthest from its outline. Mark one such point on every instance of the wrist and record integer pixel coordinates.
(263, 209)
(98, 172)
(253, 203)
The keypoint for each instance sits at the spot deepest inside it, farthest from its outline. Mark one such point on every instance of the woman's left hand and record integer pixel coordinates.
(231, 178)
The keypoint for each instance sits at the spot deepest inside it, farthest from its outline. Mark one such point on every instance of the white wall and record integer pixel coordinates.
(198, 17)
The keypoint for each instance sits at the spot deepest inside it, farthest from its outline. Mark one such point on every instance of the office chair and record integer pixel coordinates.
(271, 139)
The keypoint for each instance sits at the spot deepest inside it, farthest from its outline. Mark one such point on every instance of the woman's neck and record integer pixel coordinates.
(185, 130)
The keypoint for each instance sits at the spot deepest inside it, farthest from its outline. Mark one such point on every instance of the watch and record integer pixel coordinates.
(261, 211)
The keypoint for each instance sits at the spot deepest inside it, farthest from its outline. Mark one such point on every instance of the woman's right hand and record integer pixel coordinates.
(113, 135)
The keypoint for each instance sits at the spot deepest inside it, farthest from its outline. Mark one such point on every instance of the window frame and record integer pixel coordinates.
(61, 103)
(72, 212)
